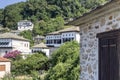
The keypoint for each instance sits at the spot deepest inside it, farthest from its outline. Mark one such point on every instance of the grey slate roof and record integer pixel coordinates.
(41, 45)
(12, 36)
(70, 29)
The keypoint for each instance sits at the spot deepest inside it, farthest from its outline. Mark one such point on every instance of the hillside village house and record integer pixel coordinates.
(5, 67)
(11, 42)
(100, 42)
(41, 47)
(25, 25)
(55, 39)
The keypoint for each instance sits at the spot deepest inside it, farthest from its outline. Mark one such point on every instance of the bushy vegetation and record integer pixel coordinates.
(45, 10)
(64, 62)
(13, 55)
(28, 35)
(34, 63)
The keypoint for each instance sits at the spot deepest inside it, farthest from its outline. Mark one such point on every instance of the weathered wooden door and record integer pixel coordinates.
(108, 57)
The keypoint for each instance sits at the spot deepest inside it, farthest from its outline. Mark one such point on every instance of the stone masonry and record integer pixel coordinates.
(89, 43)
(103, 19)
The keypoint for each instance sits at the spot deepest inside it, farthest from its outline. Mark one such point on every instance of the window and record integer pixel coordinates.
(26, 45)
(2, 67)
(4, 43)
(6, 52)
(55, 41)
(47, 42)
(59, 41)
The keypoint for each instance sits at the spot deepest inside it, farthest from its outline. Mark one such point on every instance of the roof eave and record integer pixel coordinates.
(91, 13)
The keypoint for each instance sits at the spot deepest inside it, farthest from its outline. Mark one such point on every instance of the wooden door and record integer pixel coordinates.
(108, 58)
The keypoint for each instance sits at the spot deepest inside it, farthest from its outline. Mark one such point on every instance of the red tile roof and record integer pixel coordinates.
(4, 59)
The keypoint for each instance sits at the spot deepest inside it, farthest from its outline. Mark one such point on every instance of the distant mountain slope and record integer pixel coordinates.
(47, 15)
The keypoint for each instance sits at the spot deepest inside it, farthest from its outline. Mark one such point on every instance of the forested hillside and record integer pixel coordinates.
(47, 15)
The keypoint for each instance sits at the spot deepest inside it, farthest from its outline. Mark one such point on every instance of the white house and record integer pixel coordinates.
(10, 42)
(25, 25)
(41, 47)
(55, 39)
(5, 67)
(100, 42)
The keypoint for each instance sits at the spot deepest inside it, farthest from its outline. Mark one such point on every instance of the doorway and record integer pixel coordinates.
(109, 55)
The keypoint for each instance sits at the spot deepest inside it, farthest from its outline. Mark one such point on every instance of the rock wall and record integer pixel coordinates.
(89, 43)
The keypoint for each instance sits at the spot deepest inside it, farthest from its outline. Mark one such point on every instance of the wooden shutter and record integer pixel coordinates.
(109, 53)
(2, 67)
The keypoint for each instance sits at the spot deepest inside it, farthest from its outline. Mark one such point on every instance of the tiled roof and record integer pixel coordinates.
(4, 59)
(41, 45)
(1, 28)
(38, 36)
(76, 29)
(56, 32)
(12, 36)
(70, 29)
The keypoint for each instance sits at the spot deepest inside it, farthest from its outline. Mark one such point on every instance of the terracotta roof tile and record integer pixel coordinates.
(4, 59)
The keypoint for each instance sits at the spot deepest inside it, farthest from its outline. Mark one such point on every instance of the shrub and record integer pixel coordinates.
(32, 63)
(14, 55)
(65, 63)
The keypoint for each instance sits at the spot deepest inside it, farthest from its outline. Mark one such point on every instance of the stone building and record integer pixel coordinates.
(5, 67)
(100, 42)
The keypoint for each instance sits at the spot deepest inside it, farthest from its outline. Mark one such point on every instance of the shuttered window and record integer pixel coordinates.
(2, 67)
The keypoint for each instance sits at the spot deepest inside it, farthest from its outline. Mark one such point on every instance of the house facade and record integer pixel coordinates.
(10, 42)
(55, 39)
(25, 25)
(5, 67)
(41, 47)
(100, 42)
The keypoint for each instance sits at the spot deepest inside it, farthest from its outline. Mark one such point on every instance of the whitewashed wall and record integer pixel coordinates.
(22, 46)
(7, 69)
(74, 35)
(45, 50)
(14, 44)
(25, 25)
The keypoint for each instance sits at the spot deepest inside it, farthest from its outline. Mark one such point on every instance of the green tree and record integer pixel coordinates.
(69, 8)
(43, 27)
(1, 16)
(28, 35)
(12, 14)
(64, 62)
(33, 63)
(90, 4)
(36, 8)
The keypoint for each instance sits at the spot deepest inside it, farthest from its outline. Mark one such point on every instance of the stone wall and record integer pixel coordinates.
(89, 43)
